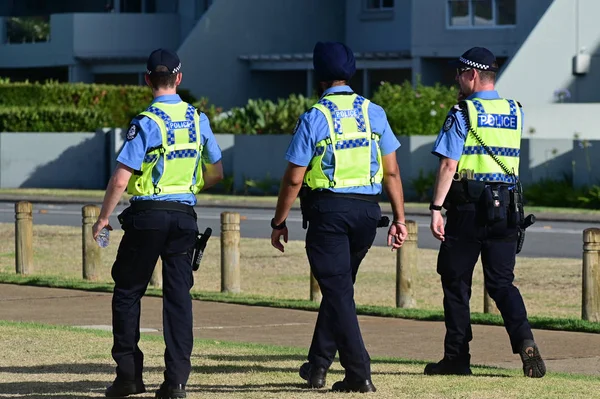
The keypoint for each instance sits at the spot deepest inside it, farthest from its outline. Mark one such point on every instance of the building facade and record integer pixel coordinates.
(233, 50)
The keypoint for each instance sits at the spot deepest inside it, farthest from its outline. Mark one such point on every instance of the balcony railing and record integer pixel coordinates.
(33, 29)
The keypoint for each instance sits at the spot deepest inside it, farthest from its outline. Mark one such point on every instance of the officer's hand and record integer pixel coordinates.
(437, 225)
(99, 225)
(276, 235)
(397, 234)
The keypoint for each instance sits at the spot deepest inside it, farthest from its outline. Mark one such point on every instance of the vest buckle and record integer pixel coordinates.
(157, 190)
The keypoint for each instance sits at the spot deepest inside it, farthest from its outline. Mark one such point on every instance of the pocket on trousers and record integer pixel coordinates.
(187, 224)
(148, 221)
(374, 212)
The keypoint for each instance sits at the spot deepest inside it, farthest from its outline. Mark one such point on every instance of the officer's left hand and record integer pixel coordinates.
(397, 235)
(99, 225)
(276, 235)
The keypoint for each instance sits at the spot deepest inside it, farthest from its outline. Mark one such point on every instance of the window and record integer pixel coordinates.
(379, 4)
(481, 13)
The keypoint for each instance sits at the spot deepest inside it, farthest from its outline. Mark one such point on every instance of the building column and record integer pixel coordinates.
(117, 6)
(310, 82)
(417, 70)
(366, 89)
(80, 73)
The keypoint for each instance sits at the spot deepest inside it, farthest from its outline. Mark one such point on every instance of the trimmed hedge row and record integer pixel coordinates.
(119, 104)
(419, 110)
(50, 119)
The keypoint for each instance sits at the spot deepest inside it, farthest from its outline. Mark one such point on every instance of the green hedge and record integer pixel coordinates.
(410, 111)
(118, 103)
(50, 119)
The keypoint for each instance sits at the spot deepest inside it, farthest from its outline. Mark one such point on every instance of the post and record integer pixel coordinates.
(315, 290)
(230, 252)
(590, 307)
(90, 248)
(23, 237)
(489, 306)
(406, 263)
(156, 279)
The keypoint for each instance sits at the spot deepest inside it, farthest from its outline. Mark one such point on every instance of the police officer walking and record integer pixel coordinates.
(477, 182)
(343, 151)
(161, 166)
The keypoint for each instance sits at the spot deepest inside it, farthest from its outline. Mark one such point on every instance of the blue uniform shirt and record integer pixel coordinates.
(149, 136)
(313, 127)
(451, 139)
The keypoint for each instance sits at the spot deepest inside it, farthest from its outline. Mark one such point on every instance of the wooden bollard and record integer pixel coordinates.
(23, 237)
(90, 248)
(230, 252)
(489, 306)
(156, 279)
(315, 290)
(406, 263)
(590, 307)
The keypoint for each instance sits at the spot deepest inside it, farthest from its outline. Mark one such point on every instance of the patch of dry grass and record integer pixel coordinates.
(265, 271)
(40, 361)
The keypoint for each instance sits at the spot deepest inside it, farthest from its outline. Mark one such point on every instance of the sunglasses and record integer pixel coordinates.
(460, 71)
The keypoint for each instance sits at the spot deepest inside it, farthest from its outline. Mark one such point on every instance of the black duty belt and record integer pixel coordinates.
(316, 194)
(145, 205)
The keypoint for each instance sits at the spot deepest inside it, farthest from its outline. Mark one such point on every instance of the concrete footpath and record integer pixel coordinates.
(421, 340)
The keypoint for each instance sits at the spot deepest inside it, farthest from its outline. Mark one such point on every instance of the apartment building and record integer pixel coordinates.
(233, 50)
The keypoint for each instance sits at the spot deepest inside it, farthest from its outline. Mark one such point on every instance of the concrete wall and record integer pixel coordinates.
(53, 160)
(58, 51)
(123, 35)
(93, 36)
(385, 30)
(230, 28)
(86, 160)
(567, 27)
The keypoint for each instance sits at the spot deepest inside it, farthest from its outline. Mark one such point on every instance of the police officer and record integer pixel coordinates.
(342, 152)
(161, 166)
(480, 193)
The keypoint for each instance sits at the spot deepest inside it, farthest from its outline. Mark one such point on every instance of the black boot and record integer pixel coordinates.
(448, 367)
(121, 389)
(168, 391)
(533, 364)
(314, 376)
(351, 386)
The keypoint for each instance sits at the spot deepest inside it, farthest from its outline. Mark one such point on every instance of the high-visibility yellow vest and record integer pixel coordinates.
(180, 152)
(350, 141)
(498, 123)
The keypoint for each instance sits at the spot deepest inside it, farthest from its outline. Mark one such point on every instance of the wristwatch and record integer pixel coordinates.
(277, 226)
(434, 207)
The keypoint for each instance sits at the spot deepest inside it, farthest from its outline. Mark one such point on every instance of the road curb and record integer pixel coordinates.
(241, 204)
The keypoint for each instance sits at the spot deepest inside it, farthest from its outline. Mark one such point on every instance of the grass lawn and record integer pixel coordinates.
(265, 272)
(41, 361)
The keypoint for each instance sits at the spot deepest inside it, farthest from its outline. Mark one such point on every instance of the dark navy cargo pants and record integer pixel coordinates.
(467, 236)
(148, 235)
(340, 232)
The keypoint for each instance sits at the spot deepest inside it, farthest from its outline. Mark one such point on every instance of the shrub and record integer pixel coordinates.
(50, 119)
(118, 103)
(258, 116)
(415, 111)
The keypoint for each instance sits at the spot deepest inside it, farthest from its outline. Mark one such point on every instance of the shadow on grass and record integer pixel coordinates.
(34, 389)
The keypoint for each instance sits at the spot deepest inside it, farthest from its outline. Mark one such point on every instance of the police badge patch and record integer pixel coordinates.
(296, 127)
(132, 132)
(448, 123)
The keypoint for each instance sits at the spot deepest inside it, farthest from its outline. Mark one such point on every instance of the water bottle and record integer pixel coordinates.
(102, 238)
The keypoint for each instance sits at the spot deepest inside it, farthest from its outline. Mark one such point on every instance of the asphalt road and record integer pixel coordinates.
(544, 239)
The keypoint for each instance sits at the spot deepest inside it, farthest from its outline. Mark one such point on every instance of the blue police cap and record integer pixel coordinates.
(477, 58)
(333, 61)
(165, 58)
